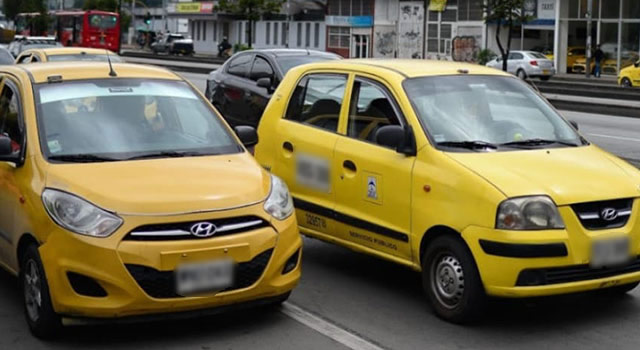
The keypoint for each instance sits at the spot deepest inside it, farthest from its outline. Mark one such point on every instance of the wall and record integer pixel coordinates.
(411, 29)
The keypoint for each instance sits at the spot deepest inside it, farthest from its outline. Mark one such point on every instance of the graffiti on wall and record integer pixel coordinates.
(385, 41)
(410, 36)
(464, 48)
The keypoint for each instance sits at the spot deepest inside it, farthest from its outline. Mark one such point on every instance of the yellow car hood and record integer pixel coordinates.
(165, 186)
(567, 175)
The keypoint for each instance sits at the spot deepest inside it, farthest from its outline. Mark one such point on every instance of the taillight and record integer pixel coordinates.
(533, 63)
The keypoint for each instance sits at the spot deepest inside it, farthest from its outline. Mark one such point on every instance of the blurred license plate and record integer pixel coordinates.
(204, 277)
(610, 252)
(545, 71)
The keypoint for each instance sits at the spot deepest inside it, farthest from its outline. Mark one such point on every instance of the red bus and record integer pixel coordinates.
(93, 28)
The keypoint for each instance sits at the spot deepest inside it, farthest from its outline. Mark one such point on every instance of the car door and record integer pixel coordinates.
(234, 90)
(514, 62)
(305, 141)
(259, 96)
(11, 125)
(372, 182)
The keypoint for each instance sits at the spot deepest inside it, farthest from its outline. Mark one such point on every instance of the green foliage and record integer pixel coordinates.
(251, 10)
(504, 12)
(485, 56)
(240, 47)
(11, 8)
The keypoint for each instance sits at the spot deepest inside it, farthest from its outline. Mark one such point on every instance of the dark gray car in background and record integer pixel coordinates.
(242, 87)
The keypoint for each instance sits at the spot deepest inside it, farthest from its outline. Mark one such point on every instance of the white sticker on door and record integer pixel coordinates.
(372, 187)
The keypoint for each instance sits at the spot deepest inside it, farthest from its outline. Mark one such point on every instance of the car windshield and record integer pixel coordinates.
(103, 21)
(83, 57)
(494, 110)
(120, 119)
(288, 62)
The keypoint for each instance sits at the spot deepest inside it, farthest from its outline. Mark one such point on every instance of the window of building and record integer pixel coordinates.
(316, 35)
(339, 37)
(275, 33)
(204, 30)
(215, 31)
(239, 32)
(193, 30)
(370, 109)
(307, 35)
(268, 34)
(470, 10)
(299, 36)
(284, 39)
(198, 30)
(254, 32)
(316, 101)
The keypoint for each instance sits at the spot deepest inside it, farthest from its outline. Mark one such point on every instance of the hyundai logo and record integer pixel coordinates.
(608, 214)
(203, 229)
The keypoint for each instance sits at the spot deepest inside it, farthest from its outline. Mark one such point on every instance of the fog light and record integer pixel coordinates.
(291, 263)
(531, 278)
(86, 286)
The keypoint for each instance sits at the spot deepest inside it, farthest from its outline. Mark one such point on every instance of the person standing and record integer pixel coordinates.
(598, 57)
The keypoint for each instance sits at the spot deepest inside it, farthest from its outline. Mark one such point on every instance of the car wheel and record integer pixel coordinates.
(626, 82)
(43, 322)
(521, 74)
(451, 280)
(619, 290)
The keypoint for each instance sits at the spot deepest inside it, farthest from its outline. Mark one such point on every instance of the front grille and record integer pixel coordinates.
(162, 284)
(182, 230)
(537, 277)
(592, 215)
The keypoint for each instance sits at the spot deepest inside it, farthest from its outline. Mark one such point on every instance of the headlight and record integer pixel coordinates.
(279, 203)
(528, 213)
(79, 216)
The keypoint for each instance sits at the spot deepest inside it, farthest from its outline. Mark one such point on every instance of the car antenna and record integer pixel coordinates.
(112, 73)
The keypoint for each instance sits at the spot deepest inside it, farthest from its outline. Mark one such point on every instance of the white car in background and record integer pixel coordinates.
(526, 64)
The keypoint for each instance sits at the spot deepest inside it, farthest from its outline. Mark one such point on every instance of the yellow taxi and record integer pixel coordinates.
(109, 212)
(630, 76)
(57, 54)
(459, 171)
(574, 53)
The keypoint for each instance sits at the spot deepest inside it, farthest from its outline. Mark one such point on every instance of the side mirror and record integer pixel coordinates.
(5, 147)
(265, 83)
(247, 135)
(636, 64)
(397, 137)
(574, 124)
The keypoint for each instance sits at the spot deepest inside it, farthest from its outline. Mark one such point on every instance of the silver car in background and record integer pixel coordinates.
(526, 64)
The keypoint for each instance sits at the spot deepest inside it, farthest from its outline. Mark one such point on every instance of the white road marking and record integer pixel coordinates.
(615, 137)
(328, 329)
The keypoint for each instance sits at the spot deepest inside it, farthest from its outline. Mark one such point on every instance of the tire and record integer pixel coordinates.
(462, 298)
(521, 74)
(626, 82)
(619, 290)
(545, 78)
(43, 321)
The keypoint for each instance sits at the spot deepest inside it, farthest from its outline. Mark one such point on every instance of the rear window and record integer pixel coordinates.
(537, 55)
(103, 21)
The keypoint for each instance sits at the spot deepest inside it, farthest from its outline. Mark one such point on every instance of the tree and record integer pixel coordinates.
(251, 10)
(504, 12)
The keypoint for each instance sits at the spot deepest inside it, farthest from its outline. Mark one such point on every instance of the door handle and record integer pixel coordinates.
(287, 146)
(349, 165)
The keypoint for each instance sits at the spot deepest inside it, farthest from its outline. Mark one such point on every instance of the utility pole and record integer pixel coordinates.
(589, 17)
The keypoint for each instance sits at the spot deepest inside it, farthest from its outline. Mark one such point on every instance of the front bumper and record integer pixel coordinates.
(556, 260)
(108, 261)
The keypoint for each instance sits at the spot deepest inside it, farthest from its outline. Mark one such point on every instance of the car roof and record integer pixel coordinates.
(78, 70)
(291, 52)
(53, 51)
(407, 68)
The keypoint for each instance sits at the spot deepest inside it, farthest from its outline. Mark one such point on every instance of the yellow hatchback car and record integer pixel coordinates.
(58, 54)
(459, 171)
(108, 211)
(630, 76)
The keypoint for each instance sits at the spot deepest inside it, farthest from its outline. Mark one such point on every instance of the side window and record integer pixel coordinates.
(239, 66)
(317, 100)
(261, 69)
(515, 56)
(35, 58)
(10, 117)
(25, 58)
(369, 110)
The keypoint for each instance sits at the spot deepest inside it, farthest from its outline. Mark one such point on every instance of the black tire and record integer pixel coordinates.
(619, 290)
(43, 321)
(545, 78)
(449, 257)
(626, 82)
(521, 74)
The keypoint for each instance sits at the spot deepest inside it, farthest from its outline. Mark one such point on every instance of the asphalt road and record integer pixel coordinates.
(349, 299)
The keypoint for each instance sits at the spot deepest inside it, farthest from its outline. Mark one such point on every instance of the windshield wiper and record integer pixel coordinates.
(166, 154)
(538, 142)
(468, 144)
(82, 158)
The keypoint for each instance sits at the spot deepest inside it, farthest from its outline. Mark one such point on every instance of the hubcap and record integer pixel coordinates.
(521, 74)
(447, 281)
(32, 290)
